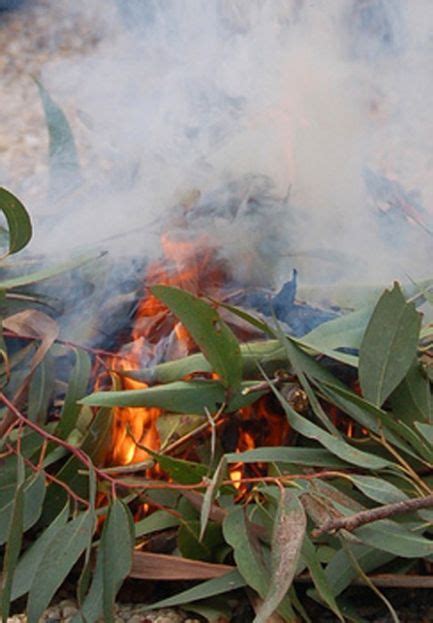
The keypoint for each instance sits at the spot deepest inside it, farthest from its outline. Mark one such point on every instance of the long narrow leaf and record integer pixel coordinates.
(289, 529)
(13, 546)
(214, 338)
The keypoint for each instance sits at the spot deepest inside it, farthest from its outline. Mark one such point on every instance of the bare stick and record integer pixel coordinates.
(352, 522)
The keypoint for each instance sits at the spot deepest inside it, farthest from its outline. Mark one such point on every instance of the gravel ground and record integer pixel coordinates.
(125, 613)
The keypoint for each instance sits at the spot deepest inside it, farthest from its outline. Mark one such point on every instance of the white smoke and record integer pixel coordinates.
(327, 101)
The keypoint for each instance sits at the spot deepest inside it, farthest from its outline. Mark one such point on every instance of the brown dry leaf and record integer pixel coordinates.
(31, 324)
(149, 566)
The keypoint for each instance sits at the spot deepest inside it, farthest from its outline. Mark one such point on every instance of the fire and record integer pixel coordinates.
(157, 335)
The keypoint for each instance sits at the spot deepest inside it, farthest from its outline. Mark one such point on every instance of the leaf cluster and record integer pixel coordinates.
(365, 439)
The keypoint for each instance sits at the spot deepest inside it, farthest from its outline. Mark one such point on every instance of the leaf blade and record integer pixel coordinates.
(211, 334)
(389, 345)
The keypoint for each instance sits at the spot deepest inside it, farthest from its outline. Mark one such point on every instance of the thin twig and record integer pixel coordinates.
(352, 522)
(384, 580)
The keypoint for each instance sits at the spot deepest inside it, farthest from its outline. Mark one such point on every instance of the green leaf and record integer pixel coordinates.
(216, 586)
(47, 273)
(159, 520)
(378, 489)
(288, 535)
(389, 536)
(249, 555)
(195, 548)
(337, 446)
(389, 345)
(115, 548)
(95, 445)
(64, 165)
(214, 338)
(18, 220)
(269, 353)
(41, 390)
(30, 561)
(340, 571)
(34, 494)
(297, 357)
(319, 578)
(412, 400)
(77, 388)
(13, 546)
(246, 551)
(426, 431)
(210, 494)
(312, 457)
(65, 548)
(184, 472)
(371, 417)
(343, 332)
(192, 397)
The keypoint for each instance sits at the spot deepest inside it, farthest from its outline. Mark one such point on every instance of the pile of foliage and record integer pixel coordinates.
(350, 496)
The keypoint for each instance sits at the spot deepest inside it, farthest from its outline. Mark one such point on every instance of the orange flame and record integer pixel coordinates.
(194, 267)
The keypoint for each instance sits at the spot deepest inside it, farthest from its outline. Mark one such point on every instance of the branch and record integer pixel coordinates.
(352, 522)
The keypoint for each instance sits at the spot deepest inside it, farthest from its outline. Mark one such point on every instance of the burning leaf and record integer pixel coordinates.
(288, 535)
(214, 338)
(269, 353)
(190, 397)
(18, 220)
(389, 345)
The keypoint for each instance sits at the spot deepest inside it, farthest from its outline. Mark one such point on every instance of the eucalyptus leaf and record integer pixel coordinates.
(65, 548)
(77, 387)
(47, 273)
(339, 447)
(30, 560)
(13, 545)
(210, 494)
(288, 535)
(193, 397)
(34, 494)
(319, 578)
(216, 586)
(214, 338)
(312, 457)
(64, 165)
(115, 549)
(389, 345)
(18, 220)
